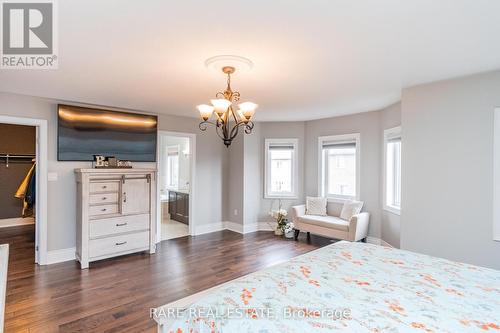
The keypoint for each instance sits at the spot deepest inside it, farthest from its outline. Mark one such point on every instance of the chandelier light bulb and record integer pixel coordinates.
(221, 105)
(248, 109)
(205, 111)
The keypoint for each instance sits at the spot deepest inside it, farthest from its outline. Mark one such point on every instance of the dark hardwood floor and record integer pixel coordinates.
(115, 295)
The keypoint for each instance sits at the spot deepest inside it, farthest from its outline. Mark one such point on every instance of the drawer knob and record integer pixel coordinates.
(103, 210)
(104, 198)
(121, 243)
(104, 186)
(121, 224)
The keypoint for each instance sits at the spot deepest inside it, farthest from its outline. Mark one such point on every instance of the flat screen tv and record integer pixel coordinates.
(85, 132)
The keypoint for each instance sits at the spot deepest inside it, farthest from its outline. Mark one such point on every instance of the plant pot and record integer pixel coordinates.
(278, 232)
(289, 234)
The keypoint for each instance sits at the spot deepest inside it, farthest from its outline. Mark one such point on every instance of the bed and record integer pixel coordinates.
(350, 287)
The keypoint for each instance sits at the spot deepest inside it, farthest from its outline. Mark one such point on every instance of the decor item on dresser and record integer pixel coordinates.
(227, 120)
(178, 206)
(110, 162)
(116, 213)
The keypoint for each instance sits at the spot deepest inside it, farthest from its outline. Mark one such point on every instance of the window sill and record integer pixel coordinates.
(393, 210)
(281, 197)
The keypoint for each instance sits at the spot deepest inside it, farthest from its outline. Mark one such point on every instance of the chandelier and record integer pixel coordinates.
(226, 120)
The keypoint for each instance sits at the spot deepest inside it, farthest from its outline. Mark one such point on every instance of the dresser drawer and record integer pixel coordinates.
(103, 210)
(99, 187)
(118, 225)
(118, 244)
(103, 198)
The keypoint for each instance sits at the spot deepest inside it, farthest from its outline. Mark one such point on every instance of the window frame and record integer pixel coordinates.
(342, 138)
(389, 134)
(295, 168)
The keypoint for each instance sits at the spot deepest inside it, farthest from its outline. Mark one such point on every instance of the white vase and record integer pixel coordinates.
(289, 234)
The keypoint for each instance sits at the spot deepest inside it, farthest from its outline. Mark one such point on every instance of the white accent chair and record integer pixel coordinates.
(331, 226)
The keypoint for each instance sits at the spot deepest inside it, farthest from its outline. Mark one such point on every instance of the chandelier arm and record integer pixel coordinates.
(249, 127)
(234, 132)
(204, 124)
(220, 132)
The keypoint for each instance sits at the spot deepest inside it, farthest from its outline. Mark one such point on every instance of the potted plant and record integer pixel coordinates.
(283, 225)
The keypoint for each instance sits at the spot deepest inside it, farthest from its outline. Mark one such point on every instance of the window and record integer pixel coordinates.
(173, 167)
(392, 153)
(339, 166)
(281, 171)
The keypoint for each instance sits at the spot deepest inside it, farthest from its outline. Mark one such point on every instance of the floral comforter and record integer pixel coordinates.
(351, 287)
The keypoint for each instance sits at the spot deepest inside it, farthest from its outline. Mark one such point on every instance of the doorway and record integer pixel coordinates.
(176, 180)
(18, 189)
(30, 225)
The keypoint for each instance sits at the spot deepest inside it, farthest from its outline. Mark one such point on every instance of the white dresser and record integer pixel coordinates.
(116, 213)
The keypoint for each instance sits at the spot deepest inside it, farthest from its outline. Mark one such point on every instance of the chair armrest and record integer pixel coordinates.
(358, 226)
(298, 211)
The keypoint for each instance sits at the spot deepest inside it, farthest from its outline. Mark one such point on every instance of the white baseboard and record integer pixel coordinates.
(232, 226)
(55, 256)
(235, 227)
(377, 241)
(208, 228)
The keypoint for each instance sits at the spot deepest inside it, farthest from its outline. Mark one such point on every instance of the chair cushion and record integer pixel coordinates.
(316, 206)
(331, 222)
(351, 208)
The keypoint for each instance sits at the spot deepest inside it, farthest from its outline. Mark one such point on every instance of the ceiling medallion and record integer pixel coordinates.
(227, 121)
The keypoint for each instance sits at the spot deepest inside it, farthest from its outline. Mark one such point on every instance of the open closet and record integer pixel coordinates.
(18, 189)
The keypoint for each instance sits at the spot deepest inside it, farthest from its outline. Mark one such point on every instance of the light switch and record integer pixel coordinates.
(52, 176)
(235, 212)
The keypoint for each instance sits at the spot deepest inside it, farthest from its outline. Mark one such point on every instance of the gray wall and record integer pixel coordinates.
(253, 173)
(447, 175)
(235, 187)
(390, 225)
(368, 125)
(211, 158)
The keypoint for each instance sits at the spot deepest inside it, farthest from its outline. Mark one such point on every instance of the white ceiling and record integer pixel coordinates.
(312, 59)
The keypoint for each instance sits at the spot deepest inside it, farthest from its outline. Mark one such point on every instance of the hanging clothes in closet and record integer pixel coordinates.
(27, 191)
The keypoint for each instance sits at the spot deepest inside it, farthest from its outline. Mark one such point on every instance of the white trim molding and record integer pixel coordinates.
(343, 138)
(208, 228)
(41, 181)
(496, 175)
(390, 133)
(235, 227)
(294, 142)
(377, 241)
(61, 255)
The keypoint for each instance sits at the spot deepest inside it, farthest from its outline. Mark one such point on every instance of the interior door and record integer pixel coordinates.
(136, 195)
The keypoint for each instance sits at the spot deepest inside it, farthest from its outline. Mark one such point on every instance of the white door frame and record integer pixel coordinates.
(41, 181)
(192, 179)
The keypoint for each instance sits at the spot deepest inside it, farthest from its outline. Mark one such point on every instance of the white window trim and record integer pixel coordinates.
(343, 137)
(388, 134)
(295, 168)
(496, 174)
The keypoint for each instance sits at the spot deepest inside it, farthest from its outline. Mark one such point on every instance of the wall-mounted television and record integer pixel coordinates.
(85, 132)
